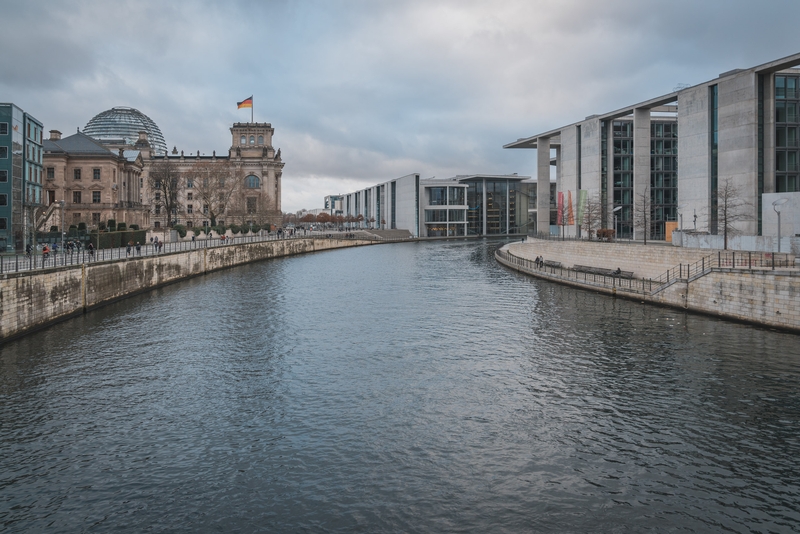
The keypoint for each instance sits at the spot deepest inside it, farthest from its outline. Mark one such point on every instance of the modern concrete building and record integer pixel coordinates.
(21, 176)
(464, 205)
(701, 158)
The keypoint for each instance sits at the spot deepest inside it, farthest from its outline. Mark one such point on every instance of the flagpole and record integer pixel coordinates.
(251, 112)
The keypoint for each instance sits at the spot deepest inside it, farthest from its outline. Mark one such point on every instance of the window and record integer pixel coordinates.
(76, 197)
(189, 223)
(157, 224)
(188, 196)
(189, 208)
(3, 200)
(158, 209)
(252, 140)
(158, 196)
(438, 196)
(95, 219)
(3, 152)
(252, 182)
(243, 140)
(189, 183)
(76, 218)
(95, 174)
(3, 176)
(260, 139)
(51, 173)
(3, 128)
(205, 209)
(95, 197)
(251, 204)
(3, 223)
(76, 174)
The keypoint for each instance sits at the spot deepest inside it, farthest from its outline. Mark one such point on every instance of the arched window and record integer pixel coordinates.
(243, 140)
(252, 139)
(252, 182)
(260, 139)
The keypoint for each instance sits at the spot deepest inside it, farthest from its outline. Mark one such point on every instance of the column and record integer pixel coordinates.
(641, 167)
(543, 186)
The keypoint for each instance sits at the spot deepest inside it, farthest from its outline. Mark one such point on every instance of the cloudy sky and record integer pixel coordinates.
(360, 92)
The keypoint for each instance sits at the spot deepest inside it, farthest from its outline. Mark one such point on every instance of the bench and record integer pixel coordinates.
(601, 271)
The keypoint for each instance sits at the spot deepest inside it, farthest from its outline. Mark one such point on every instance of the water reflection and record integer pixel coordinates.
(414, 387)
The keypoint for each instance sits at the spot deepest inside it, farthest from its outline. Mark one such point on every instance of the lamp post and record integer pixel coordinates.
(62, 225)
(680, 214)
(615, 210)
(777, 207)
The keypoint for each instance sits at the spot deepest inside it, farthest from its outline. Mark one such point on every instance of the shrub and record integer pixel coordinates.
(134, 227)
(82, 226)
(197, 230)
(73, 227)
(101, 226)
(255, 227)
(206, 229)
(121, 227)
(235, 229)
(112, 225)
(181, 229)
(219, 229)
(54, 228)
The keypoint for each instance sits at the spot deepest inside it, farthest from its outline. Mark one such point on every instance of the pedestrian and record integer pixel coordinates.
(160, 246)
(28, 249)
(138, 249)
(91, 249)
(128, 248)
(46, 251)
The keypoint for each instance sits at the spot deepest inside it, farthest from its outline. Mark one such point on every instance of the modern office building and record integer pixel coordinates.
(671, 161)
(464, 205)
(21, 176)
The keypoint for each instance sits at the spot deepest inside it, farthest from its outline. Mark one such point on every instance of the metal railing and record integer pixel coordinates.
(61, 258)
(681, 272)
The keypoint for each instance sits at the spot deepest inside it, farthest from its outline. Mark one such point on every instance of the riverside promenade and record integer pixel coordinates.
(37, 292)
(757, 288)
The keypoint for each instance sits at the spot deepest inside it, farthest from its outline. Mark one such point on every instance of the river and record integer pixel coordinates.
(415, 387)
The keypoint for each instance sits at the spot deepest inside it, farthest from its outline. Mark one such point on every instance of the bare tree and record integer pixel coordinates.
(731, 209)
(642, 217)
(165, 184)
(593, 214)
(214, 184)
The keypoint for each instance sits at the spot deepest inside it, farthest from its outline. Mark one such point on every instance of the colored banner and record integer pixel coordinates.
(582, 197)
(570, 214)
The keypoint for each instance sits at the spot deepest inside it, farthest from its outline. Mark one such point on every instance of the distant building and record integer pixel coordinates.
(95, 183)
(21, 176)
(670, 157)
(465, 205)
(122, 145)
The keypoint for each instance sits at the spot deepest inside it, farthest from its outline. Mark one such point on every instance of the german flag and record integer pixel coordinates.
(246, 103)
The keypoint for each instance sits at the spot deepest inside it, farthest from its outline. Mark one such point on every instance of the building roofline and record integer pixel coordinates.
(765, 68)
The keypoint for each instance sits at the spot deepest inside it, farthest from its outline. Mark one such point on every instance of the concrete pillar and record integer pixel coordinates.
(641, 165)
(543, 185)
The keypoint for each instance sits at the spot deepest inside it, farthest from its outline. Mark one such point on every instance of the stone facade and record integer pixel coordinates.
(96, 183)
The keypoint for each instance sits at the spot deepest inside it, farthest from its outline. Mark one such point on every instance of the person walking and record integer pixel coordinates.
(138, 249)
(128, 248)
(90, 248)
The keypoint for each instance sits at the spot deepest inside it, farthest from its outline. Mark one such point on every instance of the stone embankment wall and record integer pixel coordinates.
(32, 300)
(760, 296)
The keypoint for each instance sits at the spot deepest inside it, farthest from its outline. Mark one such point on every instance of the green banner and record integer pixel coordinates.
(582, 195)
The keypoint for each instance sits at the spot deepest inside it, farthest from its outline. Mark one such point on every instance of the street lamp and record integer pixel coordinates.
(680, 214)
(615, 210)
(62, 202)
(777, 207)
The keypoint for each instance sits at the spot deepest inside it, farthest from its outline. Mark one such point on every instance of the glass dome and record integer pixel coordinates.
(122, 125)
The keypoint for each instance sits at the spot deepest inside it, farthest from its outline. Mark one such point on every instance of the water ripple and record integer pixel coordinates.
(416, 387)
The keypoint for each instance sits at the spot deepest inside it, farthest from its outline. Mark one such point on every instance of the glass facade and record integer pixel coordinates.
(787, 130)
(663, 176)
(623, 176)
(713, 99)
(122, 125)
